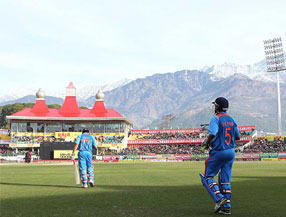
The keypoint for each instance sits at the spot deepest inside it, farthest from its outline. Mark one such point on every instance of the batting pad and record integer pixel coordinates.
(211, 187)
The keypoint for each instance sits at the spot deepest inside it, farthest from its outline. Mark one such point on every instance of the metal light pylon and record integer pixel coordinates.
(275, 63)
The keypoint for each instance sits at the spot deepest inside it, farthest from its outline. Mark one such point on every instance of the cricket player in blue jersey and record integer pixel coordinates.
(223, 132)
(84, 144)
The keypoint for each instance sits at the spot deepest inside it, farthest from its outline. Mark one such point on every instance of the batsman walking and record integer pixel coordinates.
(84, 144)
(223, 132)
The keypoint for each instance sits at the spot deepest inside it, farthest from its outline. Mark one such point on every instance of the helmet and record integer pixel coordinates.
(85, 130)
(221, 104)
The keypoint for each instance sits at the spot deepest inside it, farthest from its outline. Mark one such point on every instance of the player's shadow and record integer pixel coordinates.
(39, 185)
(252, 196)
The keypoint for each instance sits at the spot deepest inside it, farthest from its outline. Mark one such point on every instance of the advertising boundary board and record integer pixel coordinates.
(47, 149)
(113, 158)
(282, 155)
(263, 156)
(268, 155)
(157, 157)
(251, 155)
(269, 159)
(64, 154)
(24, 145)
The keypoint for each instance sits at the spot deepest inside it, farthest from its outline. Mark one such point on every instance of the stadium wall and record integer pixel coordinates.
(47, 149)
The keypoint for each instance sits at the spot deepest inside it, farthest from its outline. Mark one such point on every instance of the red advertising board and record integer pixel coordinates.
(110, 157)
(252, 155)
(282, 155)
(195, 130)
(182, 156)
(246, 128)
(164, 141)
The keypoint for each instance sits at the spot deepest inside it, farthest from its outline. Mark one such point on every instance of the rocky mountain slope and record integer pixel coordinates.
(187, 96)
(183, 98)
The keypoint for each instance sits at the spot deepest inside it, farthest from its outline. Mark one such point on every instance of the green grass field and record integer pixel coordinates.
(139, 189)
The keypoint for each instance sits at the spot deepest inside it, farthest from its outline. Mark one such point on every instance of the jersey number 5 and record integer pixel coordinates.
(227, 135)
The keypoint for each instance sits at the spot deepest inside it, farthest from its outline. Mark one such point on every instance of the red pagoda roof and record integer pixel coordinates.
(68, 111)
(40, 107)
(99, 108)
(55, 113)
(70, 106)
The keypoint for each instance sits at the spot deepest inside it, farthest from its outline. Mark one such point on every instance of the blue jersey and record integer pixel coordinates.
(85, 142)
(225, 130)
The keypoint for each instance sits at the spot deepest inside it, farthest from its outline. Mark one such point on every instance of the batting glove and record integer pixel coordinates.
(72, 157)
(205, 145)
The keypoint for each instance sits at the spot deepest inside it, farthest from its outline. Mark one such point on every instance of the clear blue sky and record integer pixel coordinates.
(49, 43)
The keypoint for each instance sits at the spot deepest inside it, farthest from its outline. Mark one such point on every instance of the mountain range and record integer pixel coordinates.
(183, 99)
(83, 93)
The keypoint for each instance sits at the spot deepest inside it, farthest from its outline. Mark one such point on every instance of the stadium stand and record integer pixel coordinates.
(157, 144)
(30, 139)
(162, 149)
(247, 135)
(173, 141)
(5, 138)
(264, 145)
(110, 139)
(170, 134)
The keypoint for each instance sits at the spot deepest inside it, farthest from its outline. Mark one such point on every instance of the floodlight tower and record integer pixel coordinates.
(275, 63)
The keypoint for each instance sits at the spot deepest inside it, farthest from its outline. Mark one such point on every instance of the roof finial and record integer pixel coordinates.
(40, 94)
(99, 96)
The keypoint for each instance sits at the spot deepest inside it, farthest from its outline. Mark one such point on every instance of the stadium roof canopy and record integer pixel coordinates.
(69, 110)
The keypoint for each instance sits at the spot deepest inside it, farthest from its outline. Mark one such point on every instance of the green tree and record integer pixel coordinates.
(56, 106)
(13, 108)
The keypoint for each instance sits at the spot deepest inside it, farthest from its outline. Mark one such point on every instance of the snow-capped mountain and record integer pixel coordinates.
(16, 94)
(257, 71)
(82, 93)
(90, 90)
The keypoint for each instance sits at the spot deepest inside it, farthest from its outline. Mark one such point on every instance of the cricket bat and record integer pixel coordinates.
(76, 173)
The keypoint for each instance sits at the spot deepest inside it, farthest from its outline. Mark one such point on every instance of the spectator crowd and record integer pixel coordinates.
(29, 139)
(34, 139)
(166, 136)
(162, 149)
(264, 145)
(109, 139)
